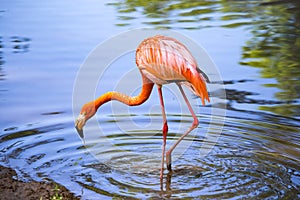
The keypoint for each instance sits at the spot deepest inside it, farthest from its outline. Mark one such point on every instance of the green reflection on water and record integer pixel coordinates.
(275, 48)
(274, 45)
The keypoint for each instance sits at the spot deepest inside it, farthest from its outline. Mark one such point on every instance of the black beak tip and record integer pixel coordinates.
(80, 132)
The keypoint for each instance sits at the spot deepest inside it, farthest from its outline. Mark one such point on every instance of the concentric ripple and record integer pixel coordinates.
(242, 165)
(252, 159)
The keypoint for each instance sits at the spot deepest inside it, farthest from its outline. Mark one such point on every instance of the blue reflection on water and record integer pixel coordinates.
(43, 44)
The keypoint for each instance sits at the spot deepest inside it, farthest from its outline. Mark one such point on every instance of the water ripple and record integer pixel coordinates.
(252, 159)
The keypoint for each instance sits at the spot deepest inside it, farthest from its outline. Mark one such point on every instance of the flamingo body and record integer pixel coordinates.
(165, 60)
(161, 60)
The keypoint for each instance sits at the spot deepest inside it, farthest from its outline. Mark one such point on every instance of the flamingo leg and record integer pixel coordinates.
(164, 130)
(194, 125)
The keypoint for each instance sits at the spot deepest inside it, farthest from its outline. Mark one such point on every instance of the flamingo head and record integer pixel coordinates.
(87, 111)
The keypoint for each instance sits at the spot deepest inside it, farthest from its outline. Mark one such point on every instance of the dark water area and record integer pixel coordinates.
(252, 152)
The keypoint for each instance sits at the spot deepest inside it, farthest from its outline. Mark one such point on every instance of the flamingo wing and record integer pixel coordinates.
(165, 60)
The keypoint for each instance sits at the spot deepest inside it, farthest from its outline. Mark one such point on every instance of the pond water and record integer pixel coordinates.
(255, 46)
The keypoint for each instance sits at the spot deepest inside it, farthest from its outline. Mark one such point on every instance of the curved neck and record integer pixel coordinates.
(128, 100)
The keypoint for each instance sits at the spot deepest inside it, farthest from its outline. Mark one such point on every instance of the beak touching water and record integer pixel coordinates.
(80, 122)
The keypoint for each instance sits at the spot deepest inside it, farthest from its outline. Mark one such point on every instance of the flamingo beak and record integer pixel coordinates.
(80, 122)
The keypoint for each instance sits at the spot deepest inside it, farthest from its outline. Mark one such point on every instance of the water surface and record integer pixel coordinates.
(254, 44)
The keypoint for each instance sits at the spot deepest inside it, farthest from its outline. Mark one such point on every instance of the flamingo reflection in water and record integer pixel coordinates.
(161, 60)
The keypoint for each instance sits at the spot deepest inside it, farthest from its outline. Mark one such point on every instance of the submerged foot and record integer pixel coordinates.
(168, 161)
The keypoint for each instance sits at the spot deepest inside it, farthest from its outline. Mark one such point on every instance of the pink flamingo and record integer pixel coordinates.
(161, 60)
